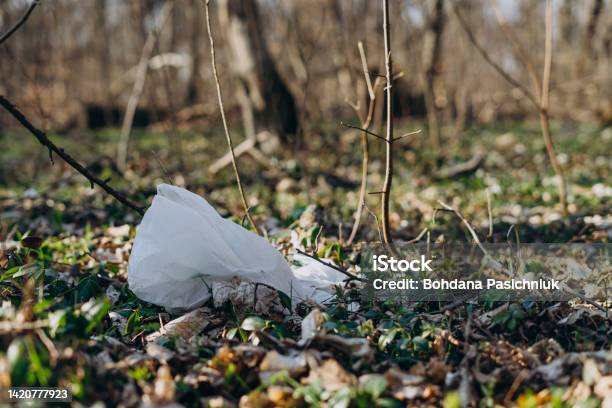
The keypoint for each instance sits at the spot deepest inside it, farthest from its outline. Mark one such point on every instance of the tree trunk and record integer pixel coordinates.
(431, 60)
(102, 44)
(596, 12)
(268, 95)
(196, 55)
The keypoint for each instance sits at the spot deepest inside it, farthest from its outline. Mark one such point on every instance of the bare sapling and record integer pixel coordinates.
(365, 121)
(539, 96)
(388, 138)
(544, 115)
(389, 130)
(247, 209)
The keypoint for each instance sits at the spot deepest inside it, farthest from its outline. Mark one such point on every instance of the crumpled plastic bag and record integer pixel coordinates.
(183, 245)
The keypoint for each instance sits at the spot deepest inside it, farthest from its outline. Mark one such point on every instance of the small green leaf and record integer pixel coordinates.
(132, 322)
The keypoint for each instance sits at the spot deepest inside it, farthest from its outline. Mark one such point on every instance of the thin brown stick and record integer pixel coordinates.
(412, 133)
(418, 237)
(490, 213)
(19, 23)
(543, 108)
(364, 65)
(42, 138)
(225, 127)
(369, 132)
(389, 136)
(365, 124)
(496, 265)
(373, 214)
(518, 380)
(53, 353)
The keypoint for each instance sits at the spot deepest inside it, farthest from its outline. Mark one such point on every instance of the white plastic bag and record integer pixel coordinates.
(183, 245)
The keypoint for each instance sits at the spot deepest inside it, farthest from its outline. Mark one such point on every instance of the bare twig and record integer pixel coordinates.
(389, 136)
(490, 234)
(543, 107)
(418, 237)
(19, 23)
(348, 125)
(585, 299)
(53, 353)
(137, 89)
(373, 214)
(414, 132)
(42, 138)
(337, 268)
(463, 220)
(225, 127)
(496, 265)
(364, 64)
(518, 380)
(365, 124)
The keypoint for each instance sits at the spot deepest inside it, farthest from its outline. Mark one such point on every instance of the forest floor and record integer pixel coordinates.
(68, 317)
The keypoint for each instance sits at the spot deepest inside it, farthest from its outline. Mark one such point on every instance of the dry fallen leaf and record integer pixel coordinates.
(184, 327)
(331, 376)
(356, 347)
(273, 362)
(311, 325)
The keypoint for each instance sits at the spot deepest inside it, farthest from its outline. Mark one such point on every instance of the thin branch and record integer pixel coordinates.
(138, 87)
(395, 76)
(464, 25)
(418, 237)
(373, 214)
(490, 234)
(365, 124)
(19, 23)
(42, 138)
(448, 208)
(414, 132)
(520, 50)
(389, 136)
(364, 65)
(330, 265)
(543, 108)
(496, 265)
(348, 125)
(225, 127)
